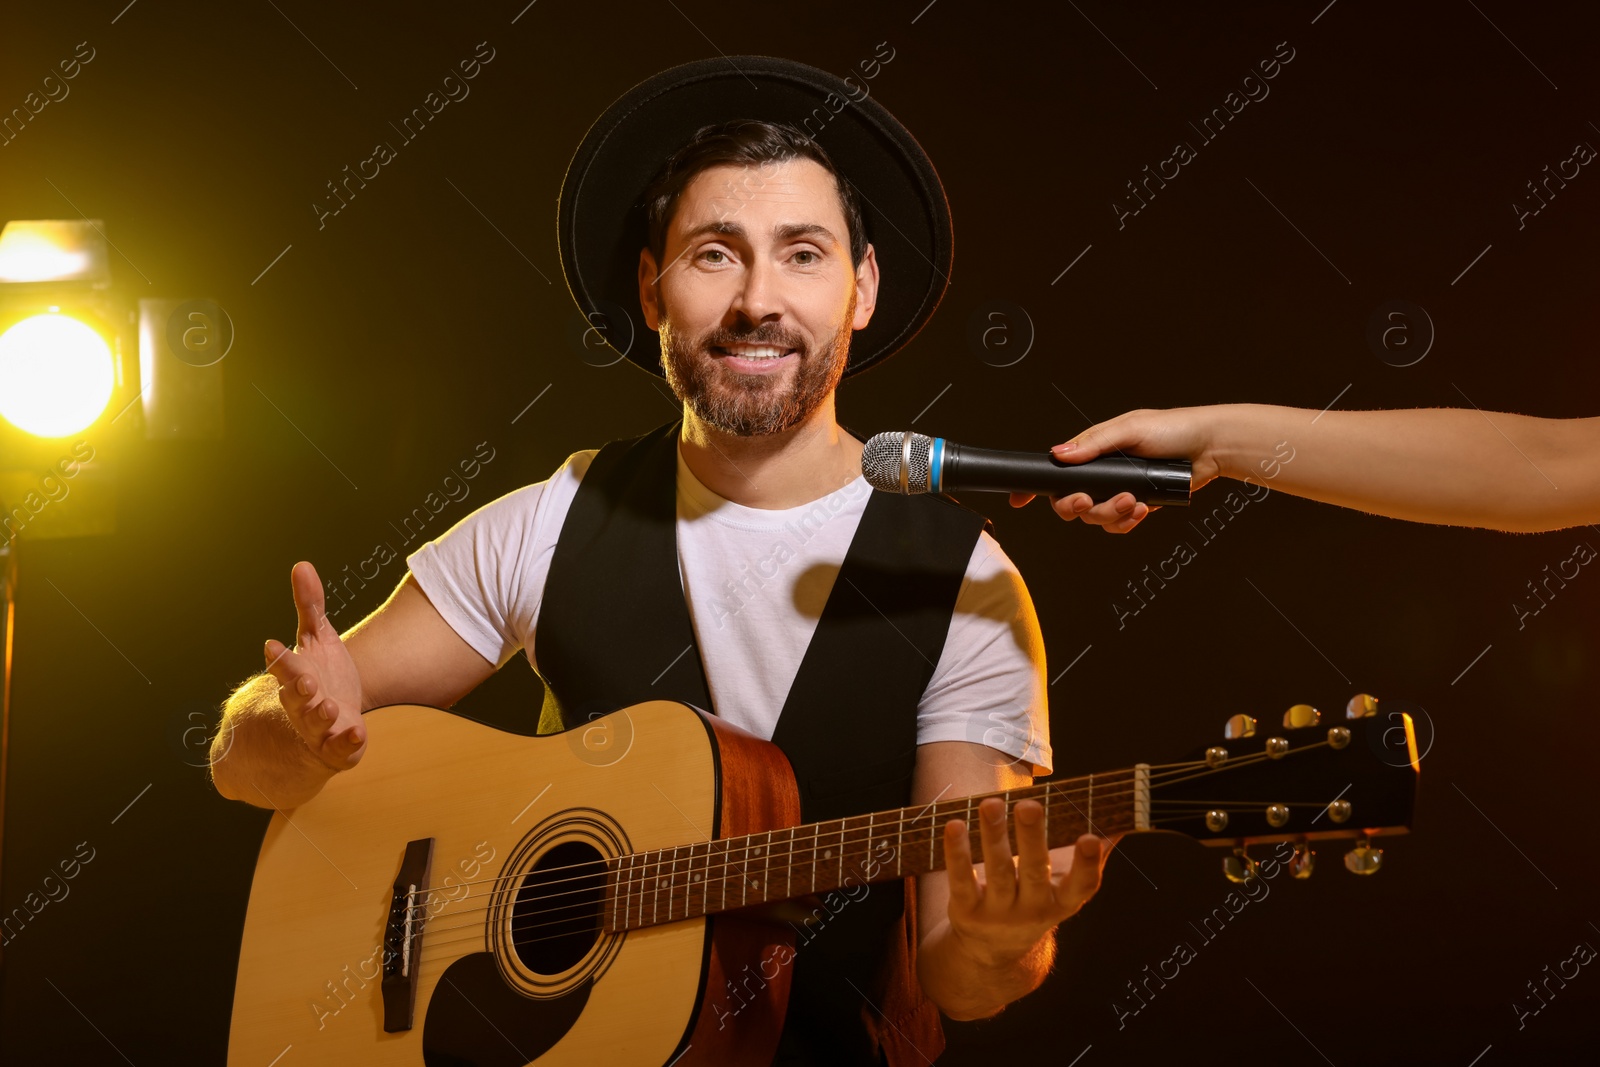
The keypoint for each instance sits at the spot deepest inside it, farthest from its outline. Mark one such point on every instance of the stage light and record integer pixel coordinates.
(53, 250)
(57, 375)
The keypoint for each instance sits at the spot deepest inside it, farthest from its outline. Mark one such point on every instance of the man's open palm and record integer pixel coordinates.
(320, 687)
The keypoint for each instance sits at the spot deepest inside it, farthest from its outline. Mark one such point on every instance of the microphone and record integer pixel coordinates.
(910, 463)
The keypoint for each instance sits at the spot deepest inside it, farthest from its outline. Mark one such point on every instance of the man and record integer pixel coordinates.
(745, 541)
(1437, 465)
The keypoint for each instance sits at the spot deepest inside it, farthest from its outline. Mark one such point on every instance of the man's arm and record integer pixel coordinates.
(286, 731)
(987, 931)
(1449, 466)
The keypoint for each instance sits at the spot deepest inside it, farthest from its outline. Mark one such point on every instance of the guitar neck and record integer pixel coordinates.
(647, 888)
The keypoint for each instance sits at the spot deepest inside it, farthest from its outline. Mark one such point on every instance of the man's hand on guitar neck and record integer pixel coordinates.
(319, 684)
(1004, 915)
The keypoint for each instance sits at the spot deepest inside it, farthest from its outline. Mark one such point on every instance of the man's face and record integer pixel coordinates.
(757, 299)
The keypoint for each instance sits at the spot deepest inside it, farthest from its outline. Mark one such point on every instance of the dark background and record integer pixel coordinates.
(381, 349)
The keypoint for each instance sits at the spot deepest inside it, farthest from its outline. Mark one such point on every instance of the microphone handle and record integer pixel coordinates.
(1155, 482)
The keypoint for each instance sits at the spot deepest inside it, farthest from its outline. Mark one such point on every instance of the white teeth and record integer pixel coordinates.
(754, 351)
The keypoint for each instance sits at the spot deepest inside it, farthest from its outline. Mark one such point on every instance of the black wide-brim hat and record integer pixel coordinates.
(601, 216)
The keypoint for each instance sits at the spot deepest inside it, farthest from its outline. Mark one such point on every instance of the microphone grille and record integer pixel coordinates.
(886, 455)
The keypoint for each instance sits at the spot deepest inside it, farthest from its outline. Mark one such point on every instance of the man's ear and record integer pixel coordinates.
(866, 289)
(649, 299)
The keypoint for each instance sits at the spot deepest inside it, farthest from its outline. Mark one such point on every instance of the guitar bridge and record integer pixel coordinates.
(402, 936)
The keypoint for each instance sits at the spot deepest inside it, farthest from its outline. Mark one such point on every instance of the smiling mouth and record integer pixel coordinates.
(754, 353)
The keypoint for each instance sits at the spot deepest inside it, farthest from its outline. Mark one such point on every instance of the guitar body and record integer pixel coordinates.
(504, 812)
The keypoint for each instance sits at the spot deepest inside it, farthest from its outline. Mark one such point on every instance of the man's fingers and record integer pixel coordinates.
(1000, 877)
(284, 665)
(1083, 880)
(308, 601)
(960, 873)
(1033, 854)
(1020, 499)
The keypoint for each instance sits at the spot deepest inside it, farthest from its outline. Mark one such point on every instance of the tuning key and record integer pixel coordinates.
(1300, 716)
(1303, 862)
(1361, 706)
(1363, 859)
(1239, 726)
(1239, 867)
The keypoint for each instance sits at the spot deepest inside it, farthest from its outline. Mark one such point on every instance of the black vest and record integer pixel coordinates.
(614, 630)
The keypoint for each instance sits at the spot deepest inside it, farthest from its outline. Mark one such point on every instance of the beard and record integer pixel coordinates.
(754, 405)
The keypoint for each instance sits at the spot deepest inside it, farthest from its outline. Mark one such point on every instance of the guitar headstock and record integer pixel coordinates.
(1308, 777)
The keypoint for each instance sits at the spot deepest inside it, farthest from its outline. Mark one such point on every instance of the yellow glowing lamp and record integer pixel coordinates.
(54, 250)
(57, 375)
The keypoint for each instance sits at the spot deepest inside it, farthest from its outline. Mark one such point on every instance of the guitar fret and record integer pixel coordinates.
(627, 890)
(722, 874)
(766, 879)
(788, 868)
(638, 866)
(969, 821)
(744, 881)
(816, 839)
(655, 899)
(672, 887)
(705, 882)
(842, 824)
(1091, 804)
(869, 843)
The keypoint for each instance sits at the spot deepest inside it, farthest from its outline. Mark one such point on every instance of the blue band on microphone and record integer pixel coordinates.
(935, 460)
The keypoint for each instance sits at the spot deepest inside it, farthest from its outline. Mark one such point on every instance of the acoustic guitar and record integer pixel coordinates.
(469, 896)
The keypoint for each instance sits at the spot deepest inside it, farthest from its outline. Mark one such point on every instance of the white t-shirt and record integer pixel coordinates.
(755, 581)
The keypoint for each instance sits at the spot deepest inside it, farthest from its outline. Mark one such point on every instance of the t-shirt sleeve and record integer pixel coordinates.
(486, 574)
(989, 685)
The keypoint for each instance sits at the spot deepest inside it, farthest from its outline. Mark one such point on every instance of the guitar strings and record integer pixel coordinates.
(594, 910)
(782, 865)
(625, 892)
(797, 845)
(1052, 789)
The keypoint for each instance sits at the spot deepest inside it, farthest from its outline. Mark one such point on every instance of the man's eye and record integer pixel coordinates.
(712, 252)
(814, 257)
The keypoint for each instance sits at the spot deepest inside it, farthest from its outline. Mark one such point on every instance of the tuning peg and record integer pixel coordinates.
(1300, 716)
(1277, 815)
(1363, 859)
(1361, 706)
(1239, 726)
(1239, 867)
(1303, 862)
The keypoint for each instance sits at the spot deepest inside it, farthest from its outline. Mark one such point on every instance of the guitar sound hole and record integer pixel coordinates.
(555, 920)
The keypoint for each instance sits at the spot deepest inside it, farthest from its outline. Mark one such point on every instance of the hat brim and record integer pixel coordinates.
(601, 217)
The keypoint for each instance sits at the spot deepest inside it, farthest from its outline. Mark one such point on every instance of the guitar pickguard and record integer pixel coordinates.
(475, 1020)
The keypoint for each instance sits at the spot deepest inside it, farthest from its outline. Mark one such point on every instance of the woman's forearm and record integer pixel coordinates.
(1437, 465)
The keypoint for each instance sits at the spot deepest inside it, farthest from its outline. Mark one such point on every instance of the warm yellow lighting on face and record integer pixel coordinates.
(56, 375)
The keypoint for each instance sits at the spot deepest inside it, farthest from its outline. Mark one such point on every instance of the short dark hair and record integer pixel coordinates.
(742, 141)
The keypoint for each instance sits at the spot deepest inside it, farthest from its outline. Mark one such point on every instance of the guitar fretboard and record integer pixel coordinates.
(666, 885)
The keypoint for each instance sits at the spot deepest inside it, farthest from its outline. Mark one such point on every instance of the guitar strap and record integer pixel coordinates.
(614, 630)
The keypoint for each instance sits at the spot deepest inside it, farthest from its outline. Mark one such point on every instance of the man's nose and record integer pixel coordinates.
(758, 298)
